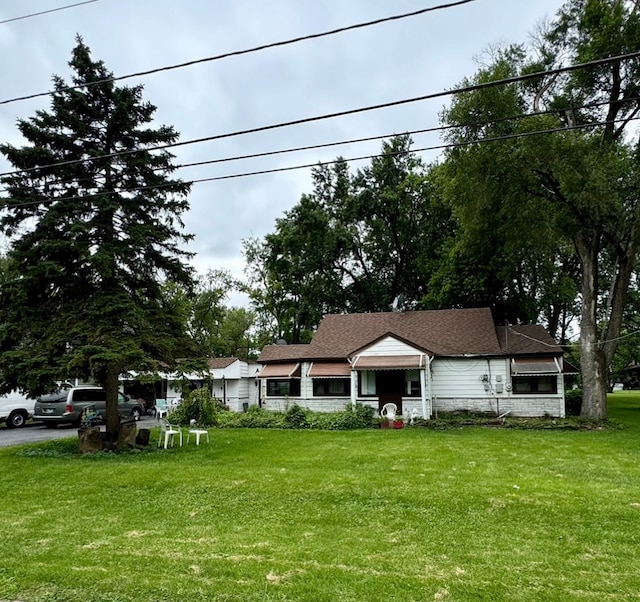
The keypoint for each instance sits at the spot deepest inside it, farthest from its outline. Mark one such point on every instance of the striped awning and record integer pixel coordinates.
(280, 371)
(388, 362)
(329, 370)
(534, 366)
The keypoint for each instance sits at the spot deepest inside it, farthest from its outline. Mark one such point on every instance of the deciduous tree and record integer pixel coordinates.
(582, 185)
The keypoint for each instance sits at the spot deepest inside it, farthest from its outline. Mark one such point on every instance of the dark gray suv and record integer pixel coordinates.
(65, 406)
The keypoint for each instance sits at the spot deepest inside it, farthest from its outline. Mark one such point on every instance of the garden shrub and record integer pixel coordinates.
(360, 417)
(198, 405)
(573, 402)
(255, 417)
(295, 418)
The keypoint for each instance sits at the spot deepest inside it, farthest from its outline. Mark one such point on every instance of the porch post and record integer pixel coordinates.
(425, 387)
(354, 387)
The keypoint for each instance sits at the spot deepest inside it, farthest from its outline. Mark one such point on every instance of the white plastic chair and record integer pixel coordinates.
(162, 408)
(196, 431)
(168, 433)
(389, 411)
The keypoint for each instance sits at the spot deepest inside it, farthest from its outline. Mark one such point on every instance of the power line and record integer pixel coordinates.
(441, 128)
(44, 12)
(464, 89)
(225, 55)
(320, 163)
(364, 157)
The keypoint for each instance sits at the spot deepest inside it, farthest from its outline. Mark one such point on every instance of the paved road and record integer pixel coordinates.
(35, 432)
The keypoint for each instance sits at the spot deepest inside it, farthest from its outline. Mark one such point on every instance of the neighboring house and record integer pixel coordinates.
(233, 381)
(428, 361)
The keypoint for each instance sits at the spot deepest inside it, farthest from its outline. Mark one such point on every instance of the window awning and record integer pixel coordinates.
(534, 366)
(388, 362)
(280, 371)
(329, 370)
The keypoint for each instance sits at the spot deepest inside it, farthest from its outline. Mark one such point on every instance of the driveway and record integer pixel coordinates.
(36, 431)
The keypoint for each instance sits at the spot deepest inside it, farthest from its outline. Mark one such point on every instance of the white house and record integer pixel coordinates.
(429, 361)
(233, 381)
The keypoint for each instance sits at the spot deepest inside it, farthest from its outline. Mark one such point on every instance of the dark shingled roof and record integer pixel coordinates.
(283, 353)
(440, 332)
(528, 339)
(446, 332)
(218, 363)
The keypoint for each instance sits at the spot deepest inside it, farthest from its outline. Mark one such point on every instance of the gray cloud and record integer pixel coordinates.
(397, 60)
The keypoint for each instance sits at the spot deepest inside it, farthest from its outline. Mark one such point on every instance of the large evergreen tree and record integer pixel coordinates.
(94, 222)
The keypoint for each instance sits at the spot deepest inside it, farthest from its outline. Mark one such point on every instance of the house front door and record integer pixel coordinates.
(390, 385)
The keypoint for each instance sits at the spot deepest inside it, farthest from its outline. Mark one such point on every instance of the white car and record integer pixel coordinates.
(15, 409)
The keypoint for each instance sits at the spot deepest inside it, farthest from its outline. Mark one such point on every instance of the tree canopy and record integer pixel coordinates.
(533, 211)
(572, 195)
(355, 243)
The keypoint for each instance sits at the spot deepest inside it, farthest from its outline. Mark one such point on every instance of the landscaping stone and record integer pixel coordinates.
(89, 439)
(126, 435)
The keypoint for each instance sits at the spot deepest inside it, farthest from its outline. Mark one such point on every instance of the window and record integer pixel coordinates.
(283, 387)
(91, 395)
(367, 382)
(331, 387)
(412, 378)
(535, 384)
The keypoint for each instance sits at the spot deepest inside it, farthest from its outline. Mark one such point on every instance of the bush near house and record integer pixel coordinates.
(198, 405)
(297, 417)
(573, 402)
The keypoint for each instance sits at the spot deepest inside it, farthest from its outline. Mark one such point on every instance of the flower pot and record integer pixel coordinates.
(384, 424)
(398, 424)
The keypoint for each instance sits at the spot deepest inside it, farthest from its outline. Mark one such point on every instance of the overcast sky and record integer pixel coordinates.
(391, 61)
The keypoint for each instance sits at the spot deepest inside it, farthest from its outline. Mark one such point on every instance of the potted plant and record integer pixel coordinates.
(398, 422)
(384, 422)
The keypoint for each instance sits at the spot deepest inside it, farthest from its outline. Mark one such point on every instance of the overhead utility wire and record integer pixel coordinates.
(318, 163)
(44, 12)
(375, 156)
(225, 55)
(442, 128)
(385, 105)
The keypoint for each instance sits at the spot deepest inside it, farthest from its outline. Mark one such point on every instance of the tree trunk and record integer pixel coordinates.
(111, 389)
(593, 363)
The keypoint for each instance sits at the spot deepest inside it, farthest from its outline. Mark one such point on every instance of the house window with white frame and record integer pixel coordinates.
(530, 385)
(331, 387)
(412, 379)
(367, 383)
(283, 387)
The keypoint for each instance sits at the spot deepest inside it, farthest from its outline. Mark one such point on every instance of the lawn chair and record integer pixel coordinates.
(197, 432)
(167, 433)
(389, 411)
(162, 408)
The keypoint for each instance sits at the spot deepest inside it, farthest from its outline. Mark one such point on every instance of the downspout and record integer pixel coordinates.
(429, 360)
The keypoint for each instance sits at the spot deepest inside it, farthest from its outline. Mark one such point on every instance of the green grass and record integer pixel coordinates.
(416, 514)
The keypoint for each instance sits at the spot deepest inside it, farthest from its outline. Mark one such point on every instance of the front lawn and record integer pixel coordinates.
(416, 514)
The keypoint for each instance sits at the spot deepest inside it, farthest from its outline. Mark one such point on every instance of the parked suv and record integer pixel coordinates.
(15, 409)
(66, 406)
